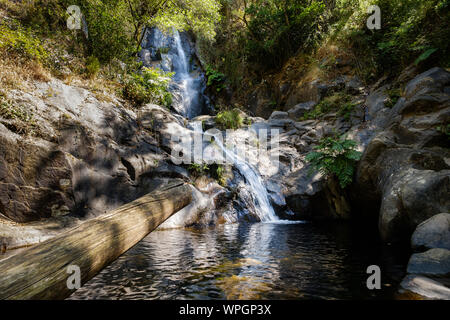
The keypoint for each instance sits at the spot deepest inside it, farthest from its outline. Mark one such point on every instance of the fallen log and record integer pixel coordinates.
(41, 272)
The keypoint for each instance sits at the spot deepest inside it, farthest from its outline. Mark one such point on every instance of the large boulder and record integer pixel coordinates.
(433, 233)
(312, 197)
(413, 197)
(404, 173)
(435, 262)
(300, 109)
(85, 156)
(278, 115)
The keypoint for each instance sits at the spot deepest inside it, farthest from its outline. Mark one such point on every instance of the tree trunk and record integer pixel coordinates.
(41, 272)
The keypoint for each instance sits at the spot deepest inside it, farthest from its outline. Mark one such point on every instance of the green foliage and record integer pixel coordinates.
(393, 95)
(424, 56)
(411, 31)
(335, 157)
(220, 175)
(199, 16)
(14, 112)
(164, 50)
(339, 101)
(445, 129)
(23, 121)
(276, 29)
(215, 78)
(229, 119)
(149, 86)
(198, 168)
(346, 110)
(92, 66)
(16, 39)
(115, 25)
(248, 121)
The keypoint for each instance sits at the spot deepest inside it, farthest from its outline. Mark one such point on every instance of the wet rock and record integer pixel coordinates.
(433, 233)
(145, 57)
(425, 287)
(432, 262)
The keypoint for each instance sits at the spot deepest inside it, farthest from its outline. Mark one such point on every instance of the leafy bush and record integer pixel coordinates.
(346, 110)
(412, 31)
(229, 119)
(149, 86)
(16, 39)
(14, 112)
(335, 157)
(164, 50)
(444, 129)
(215, 78)
(92, 66)
(22, 122)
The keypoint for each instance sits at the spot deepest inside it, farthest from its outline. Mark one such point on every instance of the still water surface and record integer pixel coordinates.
(249, 261)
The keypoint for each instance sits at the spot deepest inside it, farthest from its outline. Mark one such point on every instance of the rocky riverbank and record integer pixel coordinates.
(77, 155)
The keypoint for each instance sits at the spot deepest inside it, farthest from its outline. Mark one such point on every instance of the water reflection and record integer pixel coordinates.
(247, 261)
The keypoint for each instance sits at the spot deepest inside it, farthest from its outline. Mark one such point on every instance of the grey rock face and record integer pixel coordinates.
(300, 109)
(433, 233)
(431, 81)
(406, 163)
(432, 262)
(90, 156)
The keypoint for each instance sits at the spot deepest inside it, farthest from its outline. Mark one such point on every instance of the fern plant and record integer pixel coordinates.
(335, 157)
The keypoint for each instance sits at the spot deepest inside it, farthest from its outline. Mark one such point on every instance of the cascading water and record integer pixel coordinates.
(171, 52)
(186, 82)
(187, 92)
(263, 208)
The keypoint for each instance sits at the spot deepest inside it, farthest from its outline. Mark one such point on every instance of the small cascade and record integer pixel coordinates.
(264, 209)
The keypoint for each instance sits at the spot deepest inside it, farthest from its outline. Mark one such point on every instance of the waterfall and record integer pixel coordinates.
(190, 106)
(184, 70)
(187, 90)
(264, 209)
(189, 82)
